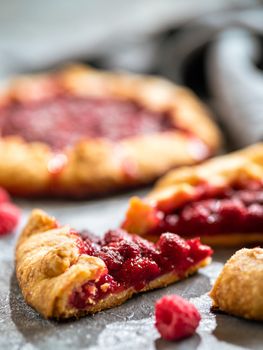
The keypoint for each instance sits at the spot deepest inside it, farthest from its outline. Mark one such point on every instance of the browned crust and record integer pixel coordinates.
(239, 288)
(49, 267)
(234, 239)
(179, 186)
(243, 165)
(100, 166)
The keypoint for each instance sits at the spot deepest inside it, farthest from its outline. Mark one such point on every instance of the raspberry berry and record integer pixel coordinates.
(198, 251)
(114, 236)
(4, 196)
(176, 318)
(173, 246)
(138, 270)
(9, 216)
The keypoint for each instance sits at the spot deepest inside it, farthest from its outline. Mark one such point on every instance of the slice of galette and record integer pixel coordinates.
(63, 273)
(82, 132)
(220, 200)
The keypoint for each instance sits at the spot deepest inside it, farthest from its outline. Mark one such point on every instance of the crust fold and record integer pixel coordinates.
(49, 266)
(243, 165)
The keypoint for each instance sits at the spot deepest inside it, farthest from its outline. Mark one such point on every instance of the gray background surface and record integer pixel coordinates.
(35, 36)
(129, 326)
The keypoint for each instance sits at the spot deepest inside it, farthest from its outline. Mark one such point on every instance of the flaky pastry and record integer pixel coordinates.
(239, 288)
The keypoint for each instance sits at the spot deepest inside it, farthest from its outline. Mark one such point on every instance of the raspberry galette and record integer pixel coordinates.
(220, 200)
(64, 273)
(82, 132)
(239, 288)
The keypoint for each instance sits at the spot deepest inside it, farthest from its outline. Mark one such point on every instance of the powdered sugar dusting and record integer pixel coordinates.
(208, 324)
(212, 271)
(133, 334)
(208, 320)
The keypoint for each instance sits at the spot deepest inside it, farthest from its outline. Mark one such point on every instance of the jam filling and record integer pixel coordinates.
(133, 262)
(233, 210)
(64, 120)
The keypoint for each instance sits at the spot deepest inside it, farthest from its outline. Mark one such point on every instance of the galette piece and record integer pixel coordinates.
(220, 200)
(82, 132)
(64, 273)
(239, 288)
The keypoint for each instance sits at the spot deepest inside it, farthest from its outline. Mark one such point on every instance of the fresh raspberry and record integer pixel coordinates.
(198, 211)
(255, 212)
(112, 258)
(173, 246)
(147, 248)
(198, 251)
(89, 236)
(232, 208)
(249, 197)
(4, 196)
(114, 236)
(176, 318)
(138, 270)
(90, 248)
(9, 216)
(128, 249)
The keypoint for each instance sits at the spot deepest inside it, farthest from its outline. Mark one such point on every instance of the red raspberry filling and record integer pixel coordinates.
(63, 120)
(9, 213)
(233, 210)
(176, 318)
(133, 262)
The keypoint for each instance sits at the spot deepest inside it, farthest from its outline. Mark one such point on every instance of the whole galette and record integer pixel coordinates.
(81, 132)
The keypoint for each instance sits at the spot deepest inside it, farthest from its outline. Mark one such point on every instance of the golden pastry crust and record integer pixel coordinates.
(239, 288)
(180, 186)
(99, 166)
(49, 267)
(233, 239)
(241, 166)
